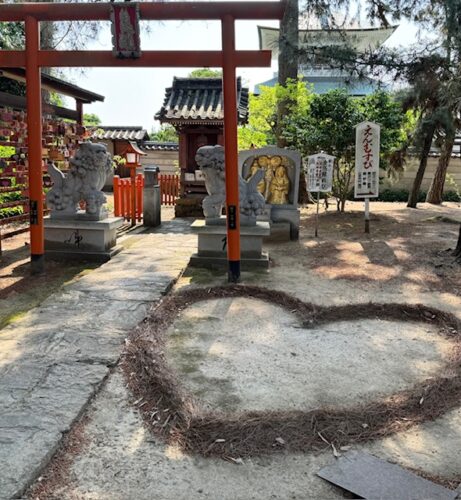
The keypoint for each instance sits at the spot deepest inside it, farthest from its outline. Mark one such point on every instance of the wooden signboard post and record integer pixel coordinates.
(367, 165)
(320, 178)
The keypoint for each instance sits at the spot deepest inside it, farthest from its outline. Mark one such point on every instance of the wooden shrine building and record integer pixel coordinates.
(15, 98)
(194, 107)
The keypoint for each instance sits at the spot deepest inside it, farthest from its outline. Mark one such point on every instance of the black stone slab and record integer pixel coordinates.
(373, 478)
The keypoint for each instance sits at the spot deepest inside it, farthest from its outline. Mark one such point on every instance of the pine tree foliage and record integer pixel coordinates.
(431, 69)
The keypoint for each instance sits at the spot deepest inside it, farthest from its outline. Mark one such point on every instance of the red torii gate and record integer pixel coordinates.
(228, 58)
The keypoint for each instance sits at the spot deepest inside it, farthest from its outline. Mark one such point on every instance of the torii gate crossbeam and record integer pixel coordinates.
(228, 58)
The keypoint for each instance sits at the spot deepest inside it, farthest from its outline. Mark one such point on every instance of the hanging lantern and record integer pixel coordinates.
(132, 155)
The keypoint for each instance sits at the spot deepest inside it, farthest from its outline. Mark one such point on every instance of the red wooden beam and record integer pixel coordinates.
(166, 59)
(148, 11)
(12, 58)
(149, 58)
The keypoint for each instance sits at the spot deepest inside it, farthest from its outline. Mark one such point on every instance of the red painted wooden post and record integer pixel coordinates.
(126, 199)
(231, 148)
(117, 207)
(34, 142)
(169, 190)
(121, 198)
(160, 185)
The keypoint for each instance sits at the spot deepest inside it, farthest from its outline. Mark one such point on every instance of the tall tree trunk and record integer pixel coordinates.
(435, 193)
(288, 59)
(288, 69)
(413, 198)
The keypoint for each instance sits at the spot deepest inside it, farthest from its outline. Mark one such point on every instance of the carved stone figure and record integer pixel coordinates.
(210, 159)
(84, 181)
(261, 187)
(280, 187)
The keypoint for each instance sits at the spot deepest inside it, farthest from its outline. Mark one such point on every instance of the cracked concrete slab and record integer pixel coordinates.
(54, 359)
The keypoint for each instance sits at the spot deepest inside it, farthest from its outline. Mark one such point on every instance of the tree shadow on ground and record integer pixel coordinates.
(400, 249)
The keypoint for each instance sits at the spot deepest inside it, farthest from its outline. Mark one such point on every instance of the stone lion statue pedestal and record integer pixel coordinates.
(212, 245)
(212, 232)
(71, 233)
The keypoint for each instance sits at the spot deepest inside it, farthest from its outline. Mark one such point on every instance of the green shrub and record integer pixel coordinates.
(451, 196)
(6, 197)
(402, 195)
(7, 151)
(5, 213)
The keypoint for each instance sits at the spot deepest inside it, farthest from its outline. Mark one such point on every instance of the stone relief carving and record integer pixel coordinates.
(84, 181)
(210, 159)
(275, 185)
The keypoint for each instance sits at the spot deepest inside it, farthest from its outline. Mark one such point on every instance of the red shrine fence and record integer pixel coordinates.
(169, 190)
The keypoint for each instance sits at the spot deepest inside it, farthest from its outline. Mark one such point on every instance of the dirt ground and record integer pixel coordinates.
(19, 290)
(404, 246)
(405, 259)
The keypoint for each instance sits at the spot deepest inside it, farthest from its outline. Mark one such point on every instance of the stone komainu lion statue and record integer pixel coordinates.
(88, 172)
(210, 159)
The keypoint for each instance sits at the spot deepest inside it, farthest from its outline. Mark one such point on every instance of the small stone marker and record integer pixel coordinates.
(370, 477)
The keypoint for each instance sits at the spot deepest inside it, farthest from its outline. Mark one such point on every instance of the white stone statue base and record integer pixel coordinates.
(81, 240)
(212, 245)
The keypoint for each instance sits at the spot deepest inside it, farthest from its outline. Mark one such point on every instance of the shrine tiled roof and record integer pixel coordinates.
(120, 133)
(54, 84)
(200, 101)
(159, 146)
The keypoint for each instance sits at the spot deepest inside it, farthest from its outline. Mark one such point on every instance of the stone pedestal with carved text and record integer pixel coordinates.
(81, 239)
(212, 245)
(212, 232)
(71, 233)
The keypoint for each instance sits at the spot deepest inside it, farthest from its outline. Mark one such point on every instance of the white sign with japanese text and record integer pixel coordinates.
(367, 160)
(320, 172)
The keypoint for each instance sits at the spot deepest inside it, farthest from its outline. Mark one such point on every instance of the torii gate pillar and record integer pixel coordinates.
(34, 141)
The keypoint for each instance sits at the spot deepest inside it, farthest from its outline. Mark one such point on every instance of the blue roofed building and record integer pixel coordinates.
(321, 77)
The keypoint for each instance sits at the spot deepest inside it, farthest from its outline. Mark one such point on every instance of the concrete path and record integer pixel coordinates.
(54, 359)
